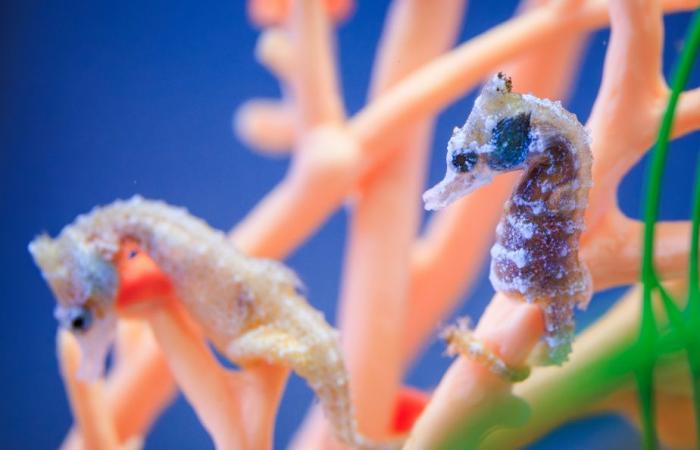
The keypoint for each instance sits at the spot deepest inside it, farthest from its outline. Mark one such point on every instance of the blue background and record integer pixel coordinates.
(101, 100)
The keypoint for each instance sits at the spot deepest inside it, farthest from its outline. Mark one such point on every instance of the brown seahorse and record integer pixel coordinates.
(535, 256)
(251, 309)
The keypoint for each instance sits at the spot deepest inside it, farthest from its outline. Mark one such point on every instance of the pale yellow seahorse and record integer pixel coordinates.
(250, 309)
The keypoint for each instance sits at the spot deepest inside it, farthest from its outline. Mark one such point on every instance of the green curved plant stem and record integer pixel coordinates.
(674, 313)
(693, 305)
(648, 334)
(655, 174)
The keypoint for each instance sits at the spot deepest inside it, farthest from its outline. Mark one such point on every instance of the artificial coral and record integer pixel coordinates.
(391, 271)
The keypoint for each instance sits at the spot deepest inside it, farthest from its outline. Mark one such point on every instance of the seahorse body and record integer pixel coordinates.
(250, 309)
(535, 256)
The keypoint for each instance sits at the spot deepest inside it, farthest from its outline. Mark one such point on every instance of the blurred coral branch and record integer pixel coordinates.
(87, 399)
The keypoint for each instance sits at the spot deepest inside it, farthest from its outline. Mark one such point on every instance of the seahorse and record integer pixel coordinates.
(535, 256)
(251, 309)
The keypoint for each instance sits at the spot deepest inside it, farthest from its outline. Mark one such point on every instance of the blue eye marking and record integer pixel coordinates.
(511, 139)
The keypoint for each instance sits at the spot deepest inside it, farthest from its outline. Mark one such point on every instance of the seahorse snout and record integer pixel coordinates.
(455, 186)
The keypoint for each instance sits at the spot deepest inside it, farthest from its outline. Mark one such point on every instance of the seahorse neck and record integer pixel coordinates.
(536, 249)
(169, 235)
(555, 176)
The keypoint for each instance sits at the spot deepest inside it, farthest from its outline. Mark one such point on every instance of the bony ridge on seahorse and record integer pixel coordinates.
(250, 309)
(535, 257)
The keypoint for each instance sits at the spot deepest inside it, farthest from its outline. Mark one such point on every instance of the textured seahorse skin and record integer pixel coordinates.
(535, 256)
(249, 308)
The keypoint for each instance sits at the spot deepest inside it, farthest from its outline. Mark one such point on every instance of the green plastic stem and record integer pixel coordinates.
(648, 332)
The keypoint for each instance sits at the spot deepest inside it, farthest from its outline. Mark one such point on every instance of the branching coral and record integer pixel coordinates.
(391, 272)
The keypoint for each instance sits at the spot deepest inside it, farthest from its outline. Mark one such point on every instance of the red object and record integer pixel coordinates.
(140, 278)
(409, 405)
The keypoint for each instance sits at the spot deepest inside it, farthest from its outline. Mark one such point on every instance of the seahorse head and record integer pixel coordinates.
(496, 138)
(83, 279)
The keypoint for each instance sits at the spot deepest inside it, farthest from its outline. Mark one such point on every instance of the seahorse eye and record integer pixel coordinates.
(79, 319)
(511, 139)
(464, 161)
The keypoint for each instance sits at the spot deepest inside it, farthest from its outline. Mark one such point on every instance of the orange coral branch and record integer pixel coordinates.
(625, 105)
(377, 263)
(316, 92)
(269, 125)
(275, 51)
(613, 254)
(137, 389)
(267, 12)
(140, 385)
(274, 12)
(199, 375)
(87, 400)
(688, 113)
(322, 172)
(560, 56)
(374, 290)
(303, 59)
(266, 125)
(376, 271)
(261, 386)
(511, 329)
(616, 151)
